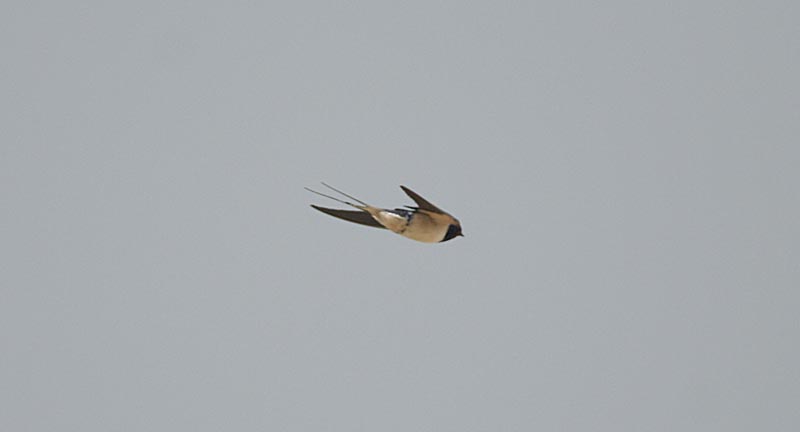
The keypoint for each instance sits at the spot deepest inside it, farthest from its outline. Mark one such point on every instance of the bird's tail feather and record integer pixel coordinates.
(360, 207)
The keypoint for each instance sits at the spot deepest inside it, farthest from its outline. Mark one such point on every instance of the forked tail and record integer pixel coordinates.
(360, 207)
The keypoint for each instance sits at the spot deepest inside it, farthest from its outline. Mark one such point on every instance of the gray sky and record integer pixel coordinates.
(626, 174)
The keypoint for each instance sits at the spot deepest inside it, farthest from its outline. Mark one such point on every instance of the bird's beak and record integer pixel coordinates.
(460, 235)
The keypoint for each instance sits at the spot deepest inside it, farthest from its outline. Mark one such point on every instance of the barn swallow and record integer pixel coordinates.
(425, 223)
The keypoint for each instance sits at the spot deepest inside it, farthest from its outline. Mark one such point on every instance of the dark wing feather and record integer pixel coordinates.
(357, 216)
(421, 202)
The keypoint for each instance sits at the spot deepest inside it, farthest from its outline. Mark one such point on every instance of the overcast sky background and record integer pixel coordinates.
(626, 174)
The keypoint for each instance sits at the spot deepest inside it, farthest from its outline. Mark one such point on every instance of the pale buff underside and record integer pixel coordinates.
(426, 227)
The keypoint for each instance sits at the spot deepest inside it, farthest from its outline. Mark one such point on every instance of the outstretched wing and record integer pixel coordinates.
(421, 202)
(356, 216)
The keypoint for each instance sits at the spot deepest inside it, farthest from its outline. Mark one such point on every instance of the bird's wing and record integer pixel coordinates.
(357, 216)
(421, 202)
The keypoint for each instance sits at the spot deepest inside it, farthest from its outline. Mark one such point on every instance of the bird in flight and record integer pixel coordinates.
(425, 223)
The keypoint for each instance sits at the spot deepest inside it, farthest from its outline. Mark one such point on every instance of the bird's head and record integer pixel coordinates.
(453, 231)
